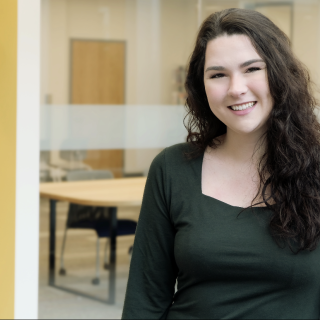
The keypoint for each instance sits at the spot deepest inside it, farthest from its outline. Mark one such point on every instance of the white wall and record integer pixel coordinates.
(306, 36)
(179, 27)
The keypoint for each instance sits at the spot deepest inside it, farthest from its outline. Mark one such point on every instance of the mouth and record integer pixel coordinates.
(243, 106)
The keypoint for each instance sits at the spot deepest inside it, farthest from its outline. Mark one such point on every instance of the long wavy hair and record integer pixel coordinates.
(290, 166)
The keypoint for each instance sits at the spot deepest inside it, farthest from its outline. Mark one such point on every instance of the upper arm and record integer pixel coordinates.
(153, 269)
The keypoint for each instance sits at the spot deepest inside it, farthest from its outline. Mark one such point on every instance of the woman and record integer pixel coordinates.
(253, 142)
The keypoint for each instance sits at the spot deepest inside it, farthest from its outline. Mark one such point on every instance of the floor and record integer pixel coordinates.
(80, 267)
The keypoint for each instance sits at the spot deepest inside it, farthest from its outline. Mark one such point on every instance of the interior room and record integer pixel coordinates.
(112, 97)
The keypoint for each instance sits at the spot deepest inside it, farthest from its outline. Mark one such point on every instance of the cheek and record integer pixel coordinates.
(260, 88)
(216, 98)
(215, 94)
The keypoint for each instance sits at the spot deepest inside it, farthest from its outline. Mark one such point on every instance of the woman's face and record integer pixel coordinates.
(236, 84)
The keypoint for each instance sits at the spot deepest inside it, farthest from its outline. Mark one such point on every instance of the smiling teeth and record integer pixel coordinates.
(243, 106)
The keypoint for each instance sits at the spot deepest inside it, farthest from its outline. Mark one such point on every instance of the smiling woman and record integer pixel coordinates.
(237, 89)
(280, 134)
(253, 143)
(237, 83)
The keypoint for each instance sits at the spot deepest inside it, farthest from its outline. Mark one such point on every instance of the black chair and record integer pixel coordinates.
(96, 218)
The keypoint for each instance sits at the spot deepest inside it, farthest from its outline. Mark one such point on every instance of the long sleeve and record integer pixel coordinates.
(153, 270)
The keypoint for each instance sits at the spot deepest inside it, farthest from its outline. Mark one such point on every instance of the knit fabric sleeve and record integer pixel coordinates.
(153, 270)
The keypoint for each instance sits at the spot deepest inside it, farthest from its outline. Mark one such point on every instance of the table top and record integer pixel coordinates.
(104, 193)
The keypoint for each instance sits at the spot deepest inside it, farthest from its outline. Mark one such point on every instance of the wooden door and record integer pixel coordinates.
(98, 77)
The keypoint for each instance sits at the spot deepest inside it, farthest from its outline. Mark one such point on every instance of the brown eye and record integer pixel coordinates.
(253, 69)
(218, 75)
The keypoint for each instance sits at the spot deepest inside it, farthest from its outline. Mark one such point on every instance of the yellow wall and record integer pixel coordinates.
(8, 71)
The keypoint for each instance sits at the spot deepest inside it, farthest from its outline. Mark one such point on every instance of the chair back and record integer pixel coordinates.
(80, 216)
(78, 175)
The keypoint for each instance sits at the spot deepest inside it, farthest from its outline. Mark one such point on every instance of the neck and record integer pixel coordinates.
(242, 148)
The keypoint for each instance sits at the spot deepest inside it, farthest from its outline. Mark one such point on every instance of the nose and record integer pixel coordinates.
(238, 86)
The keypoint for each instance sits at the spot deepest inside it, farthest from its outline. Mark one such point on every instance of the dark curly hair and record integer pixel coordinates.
(290, 166)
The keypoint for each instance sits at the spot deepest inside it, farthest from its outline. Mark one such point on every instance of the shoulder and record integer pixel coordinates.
(174, 155)
(180, 149)
(176, 174)
(173, 163)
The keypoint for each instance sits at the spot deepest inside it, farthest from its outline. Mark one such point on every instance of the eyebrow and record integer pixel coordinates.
(245, 64)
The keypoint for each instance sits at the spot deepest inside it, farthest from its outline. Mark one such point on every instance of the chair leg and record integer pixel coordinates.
(130, 253)
(62, 270)
(106, 264)
(96, 280)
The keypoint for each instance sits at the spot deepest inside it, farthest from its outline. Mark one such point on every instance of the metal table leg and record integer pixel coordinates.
(113, 246)
(112, 212)
(52, 242)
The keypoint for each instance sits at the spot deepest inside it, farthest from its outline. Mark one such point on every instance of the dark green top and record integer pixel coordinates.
(227, 266)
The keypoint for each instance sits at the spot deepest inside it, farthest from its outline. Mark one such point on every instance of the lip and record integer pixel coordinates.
(243, 112)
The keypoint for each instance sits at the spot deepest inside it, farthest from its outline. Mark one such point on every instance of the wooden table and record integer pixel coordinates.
(110, 194)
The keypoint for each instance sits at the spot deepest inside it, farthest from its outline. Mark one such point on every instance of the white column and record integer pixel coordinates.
(27, 163)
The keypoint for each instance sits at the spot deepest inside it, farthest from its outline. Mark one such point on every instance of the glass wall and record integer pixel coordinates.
(112, 97)
(112, 79)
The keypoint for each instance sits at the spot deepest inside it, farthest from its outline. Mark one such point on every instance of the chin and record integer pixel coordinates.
(246, 130)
